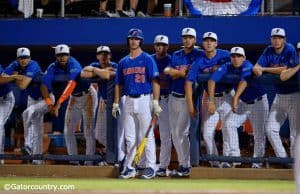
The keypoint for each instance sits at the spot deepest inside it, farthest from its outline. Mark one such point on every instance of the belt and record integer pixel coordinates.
(135, 95)
(178, 95)
(256, 100)
(221, 94)
(163, 96)
(79, 94)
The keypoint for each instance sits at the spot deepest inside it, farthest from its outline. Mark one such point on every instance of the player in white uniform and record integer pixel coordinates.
(277, 57)
(163, 60)
(36, 106)
(82, 102)
(220, 99)
(7, 102)
(178, 112)
(137, 78)
(105, 129)
(253, 105)
(284, 76)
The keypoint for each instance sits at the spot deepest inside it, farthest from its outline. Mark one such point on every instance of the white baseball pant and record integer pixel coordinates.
(210, 122)
(81, 107)
(284, 106)
(33, 117)
(257, 114)
(179, 119)
(165, 134)
(101, 122)
(7, 103)
(121, 133)
(137, 117)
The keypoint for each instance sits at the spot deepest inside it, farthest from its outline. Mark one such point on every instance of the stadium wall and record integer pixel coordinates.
(94, 31)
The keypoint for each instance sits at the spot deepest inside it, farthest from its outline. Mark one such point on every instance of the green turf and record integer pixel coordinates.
(157, 184)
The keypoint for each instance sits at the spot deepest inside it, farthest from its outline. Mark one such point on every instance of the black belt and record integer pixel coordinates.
(253, 101)
(135, 95)
(81, 93)
(178, 95)
(221, 94)
(163, 96)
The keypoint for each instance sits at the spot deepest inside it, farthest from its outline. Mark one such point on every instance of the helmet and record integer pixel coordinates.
(135, 33)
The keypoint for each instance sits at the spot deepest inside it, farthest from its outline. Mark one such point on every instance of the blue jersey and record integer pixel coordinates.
(4, 88)
(33, 71)
(180, 61)
(103, 85)
(253, 90)
(164, 80)
(136, 75)
(289, 58)
(206, 65)
(72, 72)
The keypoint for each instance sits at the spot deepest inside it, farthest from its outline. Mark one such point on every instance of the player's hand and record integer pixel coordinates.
(156, 108)
(211, 107)
(234, 105)
(116, 110)
(55, 110)
(167, 70)
(50, 108)
(89, 68)
(18, 77)
(193, 112)
(257, 70)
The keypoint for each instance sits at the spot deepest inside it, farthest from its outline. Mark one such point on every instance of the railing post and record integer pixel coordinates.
(180, 7)
(62, 8)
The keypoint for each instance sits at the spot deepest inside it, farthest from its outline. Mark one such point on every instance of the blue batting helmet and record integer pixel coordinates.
(135, 33)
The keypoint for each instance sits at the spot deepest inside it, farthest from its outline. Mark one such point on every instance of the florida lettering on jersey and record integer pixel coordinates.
(136, 75)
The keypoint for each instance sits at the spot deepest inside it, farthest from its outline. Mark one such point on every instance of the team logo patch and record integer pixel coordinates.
(161, 38)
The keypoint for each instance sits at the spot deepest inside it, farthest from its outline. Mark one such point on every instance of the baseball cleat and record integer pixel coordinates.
(226, 165)
(181, 172)
(26, 150)
(129, 173)
(148, 173)
(256, 165)
(162, 172)
(139, 171)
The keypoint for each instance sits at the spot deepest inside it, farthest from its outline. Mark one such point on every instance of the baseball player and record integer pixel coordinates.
(284, 76)
(36, 106)
(253, 105)
(208, 63)
(178, 113)
(105, 69)
(277, 57)
(7, 102)
(163, 60)
(82, 102)
(137, 78)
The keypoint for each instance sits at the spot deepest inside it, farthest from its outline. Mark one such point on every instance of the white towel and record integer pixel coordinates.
(26, 6)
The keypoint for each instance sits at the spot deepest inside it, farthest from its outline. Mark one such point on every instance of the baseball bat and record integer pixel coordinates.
(141, 147)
